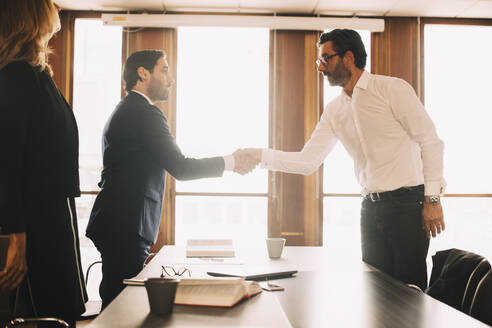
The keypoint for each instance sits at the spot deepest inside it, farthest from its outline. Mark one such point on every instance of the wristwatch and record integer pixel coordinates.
(433, 200)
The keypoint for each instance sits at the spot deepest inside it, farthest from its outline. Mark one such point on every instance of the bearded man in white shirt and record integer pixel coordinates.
(398, 157)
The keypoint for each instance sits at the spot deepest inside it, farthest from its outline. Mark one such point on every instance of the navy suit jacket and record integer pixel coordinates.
(138, 149)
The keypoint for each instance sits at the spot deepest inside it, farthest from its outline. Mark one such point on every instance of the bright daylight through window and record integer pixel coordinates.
(457, 96)
(96, 91)
(222, 105)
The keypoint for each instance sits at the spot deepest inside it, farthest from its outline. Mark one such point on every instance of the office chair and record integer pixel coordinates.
(417, 288)
(5, 311)
(92, 308)
(481, 307)
(451, 273)
(22, 322)
(471, 287)
(7, 321)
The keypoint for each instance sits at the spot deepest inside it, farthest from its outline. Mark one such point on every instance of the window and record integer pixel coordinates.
(222, 105)
(341, 211)
(457, 89)
(96, 91)
(457, 96)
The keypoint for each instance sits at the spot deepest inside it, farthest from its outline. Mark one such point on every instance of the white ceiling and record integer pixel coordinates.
(423, 8)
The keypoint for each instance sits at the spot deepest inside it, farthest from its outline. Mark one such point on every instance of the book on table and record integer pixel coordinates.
(209, 248)
(216, 292)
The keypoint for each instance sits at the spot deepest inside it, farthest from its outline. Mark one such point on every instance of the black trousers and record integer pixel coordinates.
(54, 285)
(122, 258)
(392, 237)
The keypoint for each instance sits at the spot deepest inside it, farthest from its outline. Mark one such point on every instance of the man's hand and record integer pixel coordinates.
(16, 266)
(432, 219)
(246, 160)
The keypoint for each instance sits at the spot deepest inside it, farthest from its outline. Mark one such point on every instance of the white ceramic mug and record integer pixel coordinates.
(275, 247)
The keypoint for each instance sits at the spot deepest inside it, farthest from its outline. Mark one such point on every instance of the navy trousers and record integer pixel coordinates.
(392, 237)
(122, 258)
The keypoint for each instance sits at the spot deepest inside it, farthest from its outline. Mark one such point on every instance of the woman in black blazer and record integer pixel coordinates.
(38, 169)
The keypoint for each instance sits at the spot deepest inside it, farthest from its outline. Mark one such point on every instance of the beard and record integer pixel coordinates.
(157, 91)
(340, 75)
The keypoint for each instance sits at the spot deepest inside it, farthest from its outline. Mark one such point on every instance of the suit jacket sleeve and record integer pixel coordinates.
(163, 148)
(17, 90)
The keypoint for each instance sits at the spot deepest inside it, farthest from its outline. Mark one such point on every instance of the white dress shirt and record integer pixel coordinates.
(228, 159)
(385, 129)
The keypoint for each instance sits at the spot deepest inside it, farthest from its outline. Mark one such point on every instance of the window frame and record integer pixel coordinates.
(446, 21)
(274, 136)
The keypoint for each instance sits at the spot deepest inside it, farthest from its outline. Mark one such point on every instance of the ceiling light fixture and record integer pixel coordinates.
(272, 22)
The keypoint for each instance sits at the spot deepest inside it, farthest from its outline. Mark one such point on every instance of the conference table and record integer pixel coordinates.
(331, 289)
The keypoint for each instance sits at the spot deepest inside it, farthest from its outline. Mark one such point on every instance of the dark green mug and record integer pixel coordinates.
(161, 293)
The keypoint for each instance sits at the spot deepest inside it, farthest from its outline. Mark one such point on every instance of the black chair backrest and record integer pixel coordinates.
(480, 271)
(481, 307)
(55, 322)
(451, 272)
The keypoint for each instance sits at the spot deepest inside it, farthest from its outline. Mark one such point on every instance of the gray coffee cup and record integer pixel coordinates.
(161, 293)
(275, 247)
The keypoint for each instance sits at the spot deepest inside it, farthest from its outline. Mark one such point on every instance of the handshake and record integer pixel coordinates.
(245, 160)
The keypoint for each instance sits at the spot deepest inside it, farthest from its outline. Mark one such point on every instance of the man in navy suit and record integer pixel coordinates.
(138, 149)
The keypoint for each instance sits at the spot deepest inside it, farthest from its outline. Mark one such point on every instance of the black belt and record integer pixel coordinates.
(385, 195)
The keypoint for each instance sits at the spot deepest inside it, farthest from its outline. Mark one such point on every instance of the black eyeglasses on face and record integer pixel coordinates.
(325, 58)
(168, 271)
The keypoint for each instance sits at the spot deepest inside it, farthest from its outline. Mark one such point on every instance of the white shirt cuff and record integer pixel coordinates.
(433, 188)
(229, 163)
(267, 159)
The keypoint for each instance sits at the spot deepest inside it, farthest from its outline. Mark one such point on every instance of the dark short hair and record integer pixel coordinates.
(146, 59)
(344, 40)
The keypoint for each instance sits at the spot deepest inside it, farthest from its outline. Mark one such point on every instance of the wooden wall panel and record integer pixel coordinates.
(160, 39)
(294, 206)
(61, 59)
(313, 202)
(395, 51)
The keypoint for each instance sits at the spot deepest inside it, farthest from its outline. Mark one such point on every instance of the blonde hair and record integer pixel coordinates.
(26, 26)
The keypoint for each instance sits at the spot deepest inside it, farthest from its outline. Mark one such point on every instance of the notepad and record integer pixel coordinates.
(209, 248)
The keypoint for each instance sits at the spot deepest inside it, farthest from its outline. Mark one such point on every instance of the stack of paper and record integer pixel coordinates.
(209, 248)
